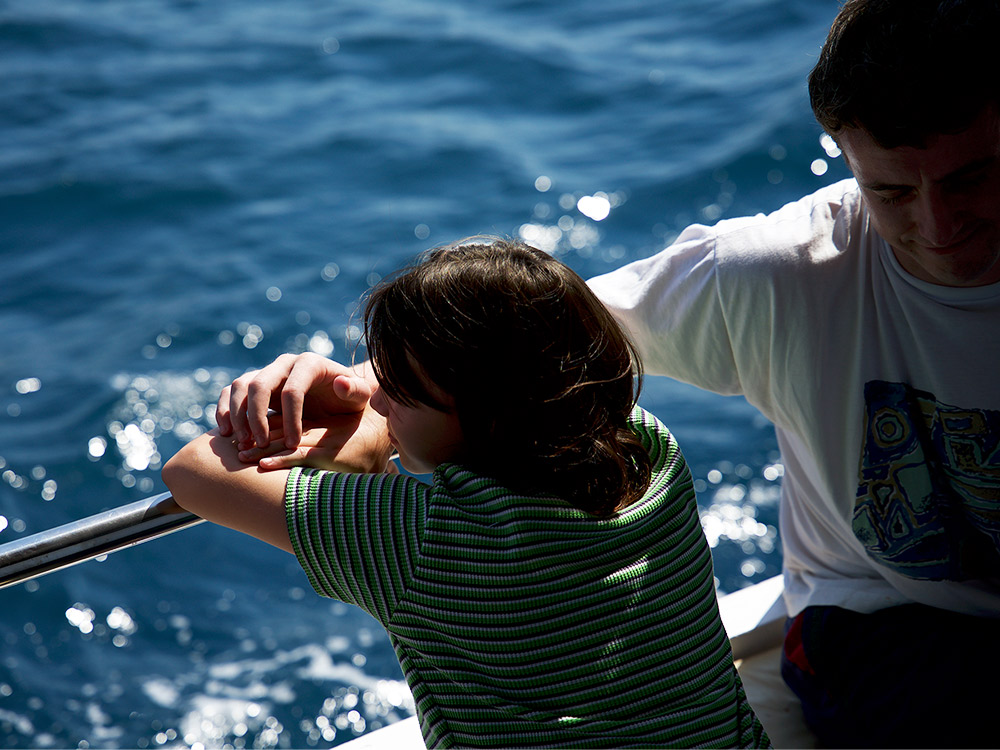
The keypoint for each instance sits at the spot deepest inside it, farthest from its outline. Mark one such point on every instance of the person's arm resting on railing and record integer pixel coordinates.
(207, 478)
(235, 476)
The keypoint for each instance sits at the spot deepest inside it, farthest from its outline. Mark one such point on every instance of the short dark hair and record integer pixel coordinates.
(905, 70)
(542, 376)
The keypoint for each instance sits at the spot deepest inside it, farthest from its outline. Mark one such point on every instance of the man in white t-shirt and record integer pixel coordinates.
(864, 321)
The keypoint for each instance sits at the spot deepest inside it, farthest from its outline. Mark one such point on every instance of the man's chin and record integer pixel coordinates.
(959, 265)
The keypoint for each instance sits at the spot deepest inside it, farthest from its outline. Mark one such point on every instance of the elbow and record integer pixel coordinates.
(171, 474)
(179, 476)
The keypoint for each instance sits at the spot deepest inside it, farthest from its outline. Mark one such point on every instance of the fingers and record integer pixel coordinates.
(231, 410)
(244, 411)
(307, 372)
(230, 414)
(292, 384)
(285, 460)
(222, 419)
(354, 391)
(310, 374)
(258, 402)
(249, 452)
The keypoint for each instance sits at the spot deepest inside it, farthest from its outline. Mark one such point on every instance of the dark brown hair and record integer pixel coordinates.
(905, 70)
(542, 376)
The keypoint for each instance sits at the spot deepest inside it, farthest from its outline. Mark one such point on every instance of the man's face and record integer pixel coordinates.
(937, 207)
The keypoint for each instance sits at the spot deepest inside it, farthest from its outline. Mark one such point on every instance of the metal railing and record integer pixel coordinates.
(75, 542)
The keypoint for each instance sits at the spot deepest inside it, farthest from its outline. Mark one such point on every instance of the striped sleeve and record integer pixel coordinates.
(357, 536)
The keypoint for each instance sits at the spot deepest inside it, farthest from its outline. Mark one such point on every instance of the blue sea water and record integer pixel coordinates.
(188, 189)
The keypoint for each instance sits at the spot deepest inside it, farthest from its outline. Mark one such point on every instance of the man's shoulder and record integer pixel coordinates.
(832, 198)
(810, 230)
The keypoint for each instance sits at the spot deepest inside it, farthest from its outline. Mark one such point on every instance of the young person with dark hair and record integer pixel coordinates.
(552, 585)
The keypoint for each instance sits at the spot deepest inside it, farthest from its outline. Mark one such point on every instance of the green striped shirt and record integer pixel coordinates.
(520, 621)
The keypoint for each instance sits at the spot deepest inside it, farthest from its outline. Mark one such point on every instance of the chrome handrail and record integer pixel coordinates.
(75, 542)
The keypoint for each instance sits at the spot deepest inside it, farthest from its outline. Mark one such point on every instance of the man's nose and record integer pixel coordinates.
(939, 219)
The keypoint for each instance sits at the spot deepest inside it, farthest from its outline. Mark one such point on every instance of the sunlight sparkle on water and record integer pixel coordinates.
(735, 497)
(252, 334)
(330, 272)
(321, 344)
(540, 236)
(238, 702)
(152, 405)
(596, 207)
(829, 145)
(96, 447)
(571, 231)
(82, 617)
(819, 167)
(28, 385)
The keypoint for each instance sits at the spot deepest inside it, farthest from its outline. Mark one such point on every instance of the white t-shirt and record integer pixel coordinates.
(884, 391)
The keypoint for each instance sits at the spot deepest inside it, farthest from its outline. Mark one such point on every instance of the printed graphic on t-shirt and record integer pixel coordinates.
(928, 502)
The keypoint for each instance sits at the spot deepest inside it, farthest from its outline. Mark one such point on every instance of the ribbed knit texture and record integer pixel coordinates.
(521, 621)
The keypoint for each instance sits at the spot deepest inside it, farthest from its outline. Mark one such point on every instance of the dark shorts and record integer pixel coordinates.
(908, 676)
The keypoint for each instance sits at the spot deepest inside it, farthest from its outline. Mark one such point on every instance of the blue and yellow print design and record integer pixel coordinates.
(928, 501)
